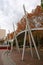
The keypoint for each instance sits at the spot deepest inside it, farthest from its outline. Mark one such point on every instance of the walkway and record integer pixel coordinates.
(6, 59)
(28, 60)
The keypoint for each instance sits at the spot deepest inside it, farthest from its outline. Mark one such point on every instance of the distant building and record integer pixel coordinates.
(2, 34)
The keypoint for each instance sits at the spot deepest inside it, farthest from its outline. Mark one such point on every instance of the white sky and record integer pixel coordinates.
(12, 11)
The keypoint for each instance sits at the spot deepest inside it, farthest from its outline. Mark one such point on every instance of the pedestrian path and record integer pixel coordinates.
(7, 59)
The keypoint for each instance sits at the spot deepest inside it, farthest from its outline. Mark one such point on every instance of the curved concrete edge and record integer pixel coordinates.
(33, 29)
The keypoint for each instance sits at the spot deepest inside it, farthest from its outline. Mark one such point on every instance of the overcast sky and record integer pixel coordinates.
(11, 11)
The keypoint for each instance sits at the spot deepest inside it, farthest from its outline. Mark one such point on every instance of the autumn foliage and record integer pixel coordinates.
(38, 12)
(21, 25)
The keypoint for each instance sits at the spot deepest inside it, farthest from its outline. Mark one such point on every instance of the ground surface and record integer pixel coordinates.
(16, 57)
(1, 63)
(28, 60)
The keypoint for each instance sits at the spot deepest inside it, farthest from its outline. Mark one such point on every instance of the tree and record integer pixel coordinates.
(42, 3)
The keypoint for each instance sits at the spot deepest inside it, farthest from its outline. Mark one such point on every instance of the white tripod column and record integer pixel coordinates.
(24, 43)
(30, 46)
(30, 35)
(16, 39)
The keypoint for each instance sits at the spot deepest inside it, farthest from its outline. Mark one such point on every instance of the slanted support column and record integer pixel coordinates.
(25, 39)
(35, 47)
(30, 46)
(30, 34)
(16, 39)
(24, 44)
(17, 45)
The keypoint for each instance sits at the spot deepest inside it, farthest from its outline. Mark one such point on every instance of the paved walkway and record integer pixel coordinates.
(6, 59)
(1, 63)
(28, 60)
(15, 57)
